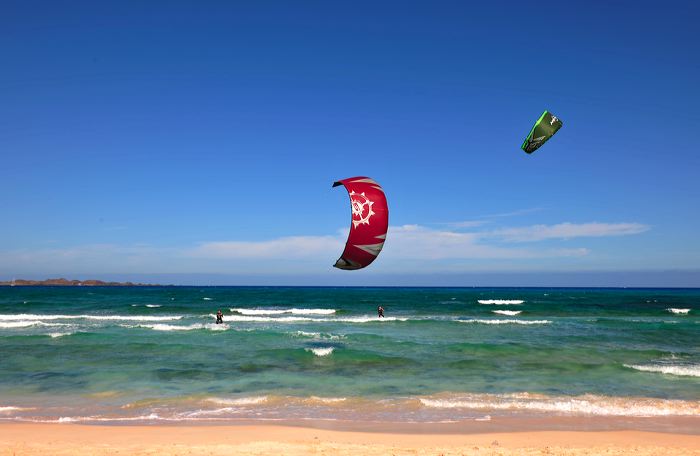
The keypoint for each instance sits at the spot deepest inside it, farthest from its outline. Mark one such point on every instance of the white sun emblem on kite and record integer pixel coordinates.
(359, 208)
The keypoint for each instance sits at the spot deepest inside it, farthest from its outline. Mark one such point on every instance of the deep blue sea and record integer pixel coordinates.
(154, 354)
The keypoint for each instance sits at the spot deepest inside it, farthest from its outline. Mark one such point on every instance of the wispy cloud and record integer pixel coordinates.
(513, 213)
(285, 247)
(567, 231)
(489, 218)
(422, 243)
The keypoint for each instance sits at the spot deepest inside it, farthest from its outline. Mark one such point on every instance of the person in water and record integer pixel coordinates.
(380, 311)
(219, 317)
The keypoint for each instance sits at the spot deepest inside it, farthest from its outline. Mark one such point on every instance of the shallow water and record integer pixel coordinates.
(441, 354)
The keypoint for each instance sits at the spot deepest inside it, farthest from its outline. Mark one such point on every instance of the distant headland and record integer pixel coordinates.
(73, 283)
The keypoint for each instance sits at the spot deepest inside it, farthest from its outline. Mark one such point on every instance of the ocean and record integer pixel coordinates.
(440, 355)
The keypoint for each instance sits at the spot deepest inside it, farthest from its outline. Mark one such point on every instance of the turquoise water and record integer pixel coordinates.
(441, 354)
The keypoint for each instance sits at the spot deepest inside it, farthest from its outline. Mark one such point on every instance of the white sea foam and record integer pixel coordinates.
(206, 299)
(679, 311)
(244, 311)
(507, 312)
(578, 405)
(55, 335)
(501, 302)
(324, 351)
(506, 322)
(253, 400)
(77, 419)
(153, 305)
(688, 370)
(31, 317)
(328, 400)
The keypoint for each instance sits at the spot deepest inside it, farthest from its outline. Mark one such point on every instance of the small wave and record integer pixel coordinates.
(253, 400)
(359, 319)
(153, 305)
(25, 324)
(318, 336)
(243, 311)
(507, 312)
(166, 327)
(679, 311)
(692, 370)
(506, 322)
(577, 405)
(325, 351)
(9, 408)
(501, 302)
(369, 319)
(18, 324)
(55, 335)
(30, 317)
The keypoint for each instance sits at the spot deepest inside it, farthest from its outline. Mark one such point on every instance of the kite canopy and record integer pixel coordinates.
(544, 128)
(370, 222)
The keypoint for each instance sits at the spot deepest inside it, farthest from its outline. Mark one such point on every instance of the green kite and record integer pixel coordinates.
(544, 128)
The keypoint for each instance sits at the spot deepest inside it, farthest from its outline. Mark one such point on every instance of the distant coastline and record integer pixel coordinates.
(72, 283)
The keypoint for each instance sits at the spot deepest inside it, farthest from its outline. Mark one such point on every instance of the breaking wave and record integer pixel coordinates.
(318, 336)
(507, 312)
(679, 311)
(578, 405)
(261, 319)
(33, 317)
(689, 370)
(506, 322)
(166, 327)
(253, 400)
(25, 324)
(324, 351)
(243, 311)
(500, 302)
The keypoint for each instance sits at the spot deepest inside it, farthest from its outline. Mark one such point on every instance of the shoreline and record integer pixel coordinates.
(677, 425)
(79, 439)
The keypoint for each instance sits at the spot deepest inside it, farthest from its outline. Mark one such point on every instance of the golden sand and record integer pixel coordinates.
(72, 439)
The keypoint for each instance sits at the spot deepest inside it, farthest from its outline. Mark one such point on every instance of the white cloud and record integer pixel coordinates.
(406, 247)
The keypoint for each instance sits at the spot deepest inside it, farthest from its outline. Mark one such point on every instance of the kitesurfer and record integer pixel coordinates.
(219, 317)
(380, 312)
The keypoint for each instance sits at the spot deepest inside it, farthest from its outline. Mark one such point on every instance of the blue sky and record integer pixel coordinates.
(196, 142)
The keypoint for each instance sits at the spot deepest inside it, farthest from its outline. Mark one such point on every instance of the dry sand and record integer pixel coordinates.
(72, 439)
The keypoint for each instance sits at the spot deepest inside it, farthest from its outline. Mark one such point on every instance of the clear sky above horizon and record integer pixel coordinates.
(201, 139)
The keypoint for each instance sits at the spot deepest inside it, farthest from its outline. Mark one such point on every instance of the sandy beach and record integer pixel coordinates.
(71, 439)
